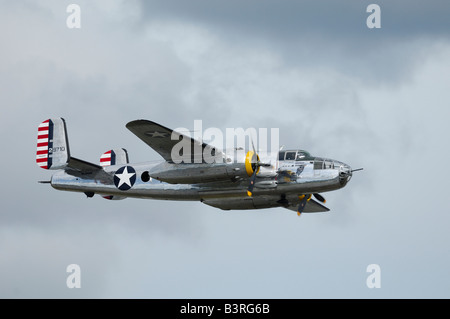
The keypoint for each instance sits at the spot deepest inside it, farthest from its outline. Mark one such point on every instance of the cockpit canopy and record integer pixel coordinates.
(294, 155)
(302, 155)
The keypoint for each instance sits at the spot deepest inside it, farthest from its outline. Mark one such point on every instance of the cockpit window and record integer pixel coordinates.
(290, 156)
(295, 155)
(300, 156)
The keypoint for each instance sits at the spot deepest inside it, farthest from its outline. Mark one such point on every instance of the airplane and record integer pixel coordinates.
(293, 179)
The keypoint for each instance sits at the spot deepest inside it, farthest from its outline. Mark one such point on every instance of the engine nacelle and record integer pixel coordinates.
(194, 173)
(264, 170)
(197, 173)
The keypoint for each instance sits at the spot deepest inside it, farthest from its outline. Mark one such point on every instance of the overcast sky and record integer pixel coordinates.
(372, 98)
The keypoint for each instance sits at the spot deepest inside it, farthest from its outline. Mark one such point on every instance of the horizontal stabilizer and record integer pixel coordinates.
(83, 166)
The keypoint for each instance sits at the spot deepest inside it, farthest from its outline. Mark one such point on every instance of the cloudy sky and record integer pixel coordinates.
(373, 98)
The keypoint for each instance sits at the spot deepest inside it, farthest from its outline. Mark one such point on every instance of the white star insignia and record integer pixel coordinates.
(125, 177)
(156, 134)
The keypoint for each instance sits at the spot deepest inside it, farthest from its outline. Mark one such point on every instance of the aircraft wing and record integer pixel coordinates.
(163, 140)
(262, 201)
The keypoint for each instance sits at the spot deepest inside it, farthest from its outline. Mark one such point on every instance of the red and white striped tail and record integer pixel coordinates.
(105, 159)
(52, 150)
(114, 157)
(42, 145)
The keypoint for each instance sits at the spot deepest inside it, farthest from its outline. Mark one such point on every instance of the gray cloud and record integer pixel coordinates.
(344, 19)
(326, 33)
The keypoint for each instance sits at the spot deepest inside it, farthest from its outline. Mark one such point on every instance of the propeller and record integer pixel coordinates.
(305, 198)
(255, 165)
(252, 183)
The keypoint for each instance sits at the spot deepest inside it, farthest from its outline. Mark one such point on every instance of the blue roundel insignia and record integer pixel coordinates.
(124, 178)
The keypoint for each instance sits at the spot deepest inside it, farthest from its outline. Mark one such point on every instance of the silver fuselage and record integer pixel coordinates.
(232, 184)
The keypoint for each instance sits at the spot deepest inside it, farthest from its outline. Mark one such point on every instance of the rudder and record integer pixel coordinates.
(114, 157)
(52, 144)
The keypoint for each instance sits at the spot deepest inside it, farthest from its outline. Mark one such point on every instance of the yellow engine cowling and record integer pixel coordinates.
(250, 163)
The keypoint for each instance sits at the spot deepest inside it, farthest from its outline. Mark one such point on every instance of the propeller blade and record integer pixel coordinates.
(252, 184)
(320, 198)
(256, 164)
(303, 201)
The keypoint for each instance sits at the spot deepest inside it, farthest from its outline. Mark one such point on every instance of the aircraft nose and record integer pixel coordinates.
(345, 173)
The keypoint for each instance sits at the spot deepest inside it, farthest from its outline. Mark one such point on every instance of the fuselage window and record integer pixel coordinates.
(290, 156)
(318, 164)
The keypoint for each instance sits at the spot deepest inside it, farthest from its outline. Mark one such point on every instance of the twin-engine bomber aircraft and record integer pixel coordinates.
(244, 182)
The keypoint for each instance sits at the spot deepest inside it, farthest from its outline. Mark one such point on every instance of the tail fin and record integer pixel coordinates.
(52, 144)
(114, 157)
